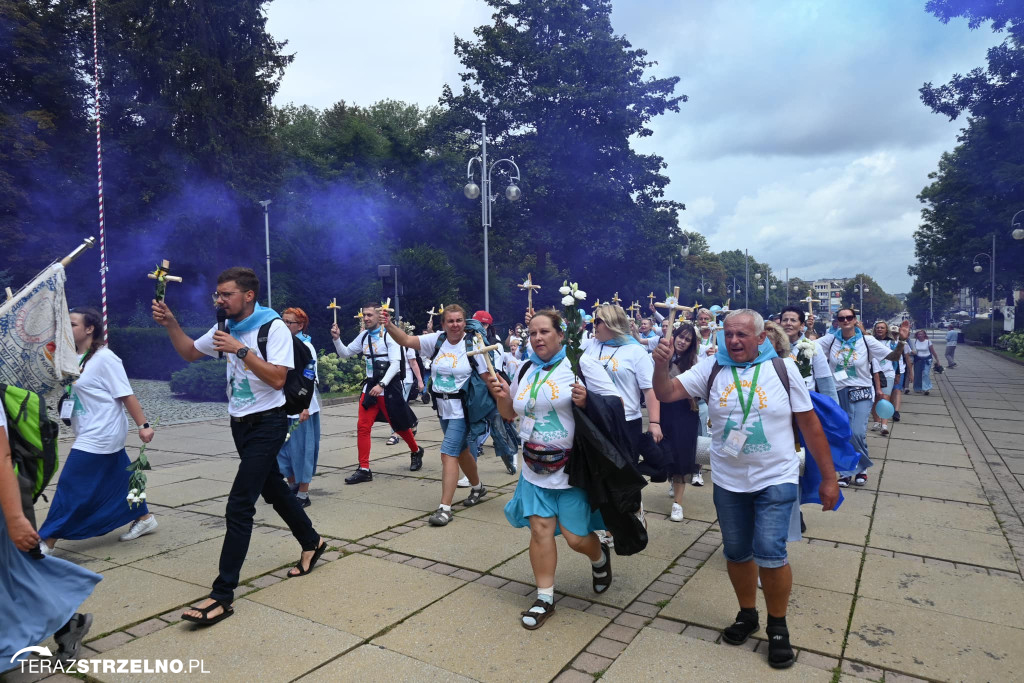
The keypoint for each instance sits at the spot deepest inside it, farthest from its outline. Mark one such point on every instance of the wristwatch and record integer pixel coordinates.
(144, 425)
(242, 352)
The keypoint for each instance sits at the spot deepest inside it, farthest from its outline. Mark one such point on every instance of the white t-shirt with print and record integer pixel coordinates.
(449, 371)
(631, 369)
(98, 418)
(555, 425)
(769, 456)
(410, 358)
(511, 364)
(247, 393)
(373, 346)
(836, 353)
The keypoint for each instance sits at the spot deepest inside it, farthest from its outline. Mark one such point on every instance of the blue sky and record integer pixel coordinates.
(804, 139)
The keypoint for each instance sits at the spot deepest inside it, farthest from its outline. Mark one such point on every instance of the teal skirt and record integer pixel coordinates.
(570, 507)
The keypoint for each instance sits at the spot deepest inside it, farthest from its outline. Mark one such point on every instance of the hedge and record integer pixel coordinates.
(147, 352)
(205, 380)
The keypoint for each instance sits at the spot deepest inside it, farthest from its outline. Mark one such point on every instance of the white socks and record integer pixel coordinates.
(545, 594)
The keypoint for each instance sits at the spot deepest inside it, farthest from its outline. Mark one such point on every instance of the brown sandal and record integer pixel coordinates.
(538, 617)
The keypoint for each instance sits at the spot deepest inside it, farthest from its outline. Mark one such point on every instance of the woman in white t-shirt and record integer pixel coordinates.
(450, 371)
(924, 355)
(544, 500)
(90, 498)
(298, 457)
(890, 370)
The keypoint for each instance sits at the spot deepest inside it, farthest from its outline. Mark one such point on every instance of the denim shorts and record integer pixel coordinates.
(898, 384)
(755, 525)
(454, 437)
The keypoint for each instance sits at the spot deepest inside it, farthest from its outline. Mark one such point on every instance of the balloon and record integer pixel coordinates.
(715, 309)
(884, 409)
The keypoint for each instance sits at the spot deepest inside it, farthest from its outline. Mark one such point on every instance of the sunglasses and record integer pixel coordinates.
(597, 321)
(845, 318)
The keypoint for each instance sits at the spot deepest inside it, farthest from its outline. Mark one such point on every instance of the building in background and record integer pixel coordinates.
(830, 293)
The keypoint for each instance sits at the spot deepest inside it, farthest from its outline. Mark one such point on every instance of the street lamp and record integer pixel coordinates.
(684, 251)
(930, 288)
(266, 227)
(860, 289)
(992, 302)
(765, 284)
(472, 190)
(1017, 232)
(705, 286)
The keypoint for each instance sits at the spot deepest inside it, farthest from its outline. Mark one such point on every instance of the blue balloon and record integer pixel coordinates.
(715, 309)
(884, 409)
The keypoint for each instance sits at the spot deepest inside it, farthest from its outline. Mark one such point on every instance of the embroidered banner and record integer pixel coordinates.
(37, 349)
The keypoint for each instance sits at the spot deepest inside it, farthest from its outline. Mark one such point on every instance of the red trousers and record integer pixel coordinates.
(367, 416)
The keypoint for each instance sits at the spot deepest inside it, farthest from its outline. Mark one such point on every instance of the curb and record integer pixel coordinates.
(999, 355)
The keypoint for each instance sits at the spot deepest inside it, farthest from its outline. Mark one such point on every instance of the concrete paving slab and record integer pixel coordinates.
(219, 469)
(923, 419)
(198, 563)
(910, 432)
(358, 594)
(127, 595)
(414, 494)
(844, 525)
(1000, 426)
(376, 664)
(172, 534)
(944, 483)
(1014, 415)
(188, 491)
(91, 563)
(257, 644)
(923, 408)
(987, 404)
(630, 575)
(491, 510)
(667, 540)
(933, 457)
(464, 542)
(344, 519)
(933, 645)
(947, 590)
(189, 445)
(697, 501)
(645, 659)
(906, 448)
(501, 649)
(946, 531)
(1001, 441)
(816, 618)
(815, 566)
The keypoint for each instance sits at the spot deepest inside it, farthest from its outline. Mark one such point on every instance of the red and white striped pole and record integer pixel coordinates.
(99, 171)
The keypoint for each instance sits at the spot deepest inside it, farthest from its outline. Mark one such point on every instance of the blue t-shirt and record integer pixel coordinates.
(951, 338)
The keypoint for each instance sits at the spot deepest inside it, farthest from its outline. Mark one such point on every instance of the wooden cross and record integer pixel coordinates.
(597, 303)
(359, 315)
(651, 297)
(386, 306)
(810, 301)
(672, 304)
(615, 299)
(634, 308)
(480, 347)
(529, 287)
(334, 306)
(162, 278)
(432, 313)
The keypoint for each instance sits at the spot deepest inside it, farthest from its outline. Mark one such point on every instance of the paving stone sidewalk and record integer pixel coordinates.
(916, 577)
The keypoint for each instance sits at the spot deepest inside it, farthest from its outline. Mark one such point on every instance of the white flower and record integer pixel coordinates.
(142, 496)
(133, 491)
(129, 497)
(563, 290)
(568, 300)
(580, 294)
(808, 353)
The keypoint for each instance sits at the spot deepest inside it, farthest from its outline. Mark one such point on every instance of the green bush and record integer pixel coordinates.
(979, 331)
(1012, 342)
(340, 374)
(147, 352)
(205, 380)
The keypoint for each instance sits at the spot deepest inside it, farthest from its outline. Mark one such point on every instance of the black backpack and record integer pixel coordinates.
(33, 440)
(301, 380)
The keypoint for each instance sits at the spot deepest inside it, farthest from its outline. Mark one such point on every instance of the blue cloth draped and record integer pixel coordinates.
(625, 340)
(836, 425)
(535, 359)
(305, 338)
(259, 316)
(764, 352)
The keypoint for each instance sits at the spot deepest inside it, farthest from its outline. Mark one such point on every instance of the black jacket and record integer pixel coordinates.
(601, 466)
(399, 412)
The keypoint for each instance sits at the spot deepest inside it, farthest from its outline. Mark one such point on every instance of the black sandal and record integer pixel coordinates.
(206, 619)
(602, 582)
(312, 561)
(538, 617)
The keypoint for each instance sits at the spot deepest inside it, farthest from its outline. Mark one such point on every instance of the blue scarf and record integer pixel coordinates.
(305, 338)
(535, 359)
(852, 341)
(764, 352)
(648, 334)
(260, 315)
(624, 340)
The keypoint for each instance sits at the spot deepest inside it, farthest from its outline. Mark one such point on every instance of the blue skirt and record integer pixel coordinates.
(37, 597)
(90, 499)
(570, 506)
(298, 457)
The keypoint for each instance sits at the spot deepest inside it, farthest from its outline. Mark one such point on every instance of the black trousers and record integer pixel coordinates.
(258, 444)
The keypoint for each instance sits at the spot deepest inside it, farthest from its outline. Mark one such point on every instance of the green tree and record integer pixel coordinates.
(878, 305)
(563, 95)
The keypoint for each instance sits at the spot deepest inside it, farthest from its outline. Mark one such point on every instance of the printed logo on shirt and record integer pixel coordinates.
(241, 394)
(549, 428)
(610, 363)
(762, 397)
(550, 385)
(757, 442)
(445, 382)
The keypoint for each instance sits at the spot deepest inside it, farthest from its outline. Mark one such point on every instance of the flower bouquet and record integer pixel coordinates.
(805, 352)
(571, 294)
(137, 481)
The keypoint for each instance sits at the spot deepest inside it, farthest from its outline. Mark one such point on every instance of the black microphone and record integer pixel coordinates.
(222, 317)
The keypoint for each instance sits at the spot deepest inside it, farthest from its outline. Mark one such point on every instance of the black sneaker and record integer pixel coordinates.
(359, 476)
(305, 502)
(416, 460)
(844, 482)
(896, 416)
(69, 637)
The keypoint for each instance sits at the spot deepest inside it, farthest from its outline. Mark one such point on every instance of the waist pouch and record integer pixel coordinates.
(545, 460)
(380, 368)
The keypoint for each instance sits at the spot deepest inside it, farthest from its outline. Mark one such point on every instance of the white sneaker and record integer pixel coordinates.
(605, 538)
(671, 490)
(677, 513)
(139, 527)
(875, 426)
(697, 479)
(640, 515)
(464, 483)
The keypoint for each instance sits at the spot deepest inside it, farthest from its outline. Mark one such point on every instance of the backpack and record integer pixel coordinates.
(780, 370)
(477, 402)
(369, 353)
(301, 380)
(33, 440)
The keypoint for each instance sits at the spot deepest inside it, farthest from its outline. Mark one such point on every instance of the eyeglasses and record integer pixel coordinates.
(845, 318)
(291, 322)
(597, 321)
(223, 295)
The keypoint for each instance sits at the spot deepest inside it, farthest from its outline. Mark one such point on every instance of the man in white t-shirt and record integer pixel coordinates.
(258, 426)
(754, 465)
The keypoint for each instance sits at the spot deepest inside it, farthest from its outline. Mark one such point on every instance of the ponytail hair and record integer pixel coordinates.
(91, 318)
